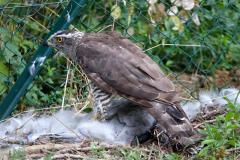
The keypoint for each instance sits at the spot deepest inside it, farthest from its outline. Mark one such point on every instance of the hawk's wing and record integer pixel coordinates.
(123, 66)
(115, 64)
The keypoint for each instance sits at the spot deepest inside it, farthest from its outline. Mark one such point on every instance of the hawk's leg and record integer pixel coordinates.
(102, 103)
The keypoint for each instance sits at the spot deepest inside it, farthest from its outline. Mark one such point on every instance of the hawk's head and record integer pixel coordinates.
(65, 41)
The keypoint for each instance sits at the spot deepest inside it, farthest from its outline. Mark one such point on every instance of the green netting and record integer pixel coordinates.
(184, 37)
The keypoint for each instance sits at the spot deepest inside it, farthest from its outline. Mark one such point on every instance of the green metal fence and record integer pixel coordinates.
(40, 55)
(193, 41)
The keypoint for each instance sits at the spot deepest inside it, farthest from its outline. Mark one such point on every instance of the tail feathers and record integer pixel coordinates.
(176, 112)
(173, 123)
(209, 99)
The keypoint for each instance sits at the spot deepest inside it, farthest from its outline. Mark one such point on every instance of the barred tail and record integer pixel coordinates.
(173, 126)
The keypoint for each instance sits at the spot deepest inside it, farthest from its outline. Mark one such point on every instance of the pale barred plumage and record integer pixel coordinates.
(102, 103)
(118, 66)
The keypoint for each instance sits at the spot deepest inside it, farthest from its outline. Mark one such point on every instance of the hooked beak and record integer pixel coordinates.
(49, 43)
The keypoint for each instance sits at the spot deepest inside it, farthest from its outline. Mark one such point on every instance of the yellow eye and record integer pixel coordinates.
(59, 39)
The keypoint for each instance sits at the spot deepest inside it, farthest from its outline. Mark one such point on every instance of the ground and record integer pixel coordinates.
(215, 120)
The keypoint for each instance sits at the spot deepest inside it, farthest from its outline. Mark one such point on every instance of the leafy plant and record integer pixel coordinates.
(223, 134)
(131, 154)
(17, 155)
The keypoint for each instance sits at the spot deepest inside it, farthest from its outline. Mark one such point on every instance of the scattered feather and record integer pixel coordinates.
(122, 128)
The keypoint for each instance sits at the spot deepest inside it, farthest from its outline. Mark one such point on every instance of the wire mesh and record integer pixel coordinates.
(191, 40)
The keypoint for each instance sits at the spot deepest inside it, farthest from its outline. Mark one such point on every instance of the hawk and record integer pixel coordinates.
(117, 66)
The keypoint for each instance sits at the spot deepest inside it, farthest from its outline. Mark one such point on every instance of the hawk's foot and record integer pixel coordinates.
(187, 144)
(100, 112)
(139, 139)
(160, 134)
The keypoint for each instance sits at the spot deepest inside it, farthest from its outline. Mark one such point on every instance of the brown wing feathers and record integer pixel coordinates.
(115, 64)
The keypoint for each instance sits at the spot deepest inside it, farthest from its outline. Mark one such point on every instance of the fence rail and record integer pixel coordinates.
(35, 63)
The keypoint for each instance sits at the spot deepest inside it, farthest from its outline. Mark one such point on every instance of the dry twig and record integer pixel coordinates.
(200, 124)
(68, 156)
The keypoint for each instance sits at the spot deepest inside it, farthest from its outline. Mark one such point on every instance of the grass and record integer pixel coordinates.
(17, 155)
(96, 152)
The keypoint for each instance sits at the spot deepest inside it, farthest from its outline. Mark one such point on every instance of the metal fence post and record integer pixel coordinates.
(34, 66)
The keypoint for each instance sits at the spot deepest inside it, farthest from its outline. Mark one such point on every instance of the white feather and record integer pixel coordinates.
(206, 98)
(191, 108)
(121, 129)
(209, 99)
(232, 94)
(97, 130)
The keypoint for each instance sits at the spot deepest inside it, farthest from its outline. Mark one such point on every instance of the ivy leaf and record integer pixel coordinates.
(10, 51)
(116, 12)
(178, 26)
(13, 56)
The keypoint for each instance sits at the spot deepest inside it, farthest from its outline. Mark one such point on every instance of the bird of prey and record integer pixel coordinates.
(117, 66)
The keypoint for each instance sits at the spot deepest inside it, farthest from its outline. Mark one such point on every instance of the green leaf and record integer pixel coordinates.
(3, 2)
(229, 116)
(4, 34)
(33, 25)
(49, 80)
(178, 25)
(3, 89)
(3, 69)
(169, 63)
(230, 104)
(87, 110)
(116, 12)
(232, 142)
(208, 141)
(130, 13)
